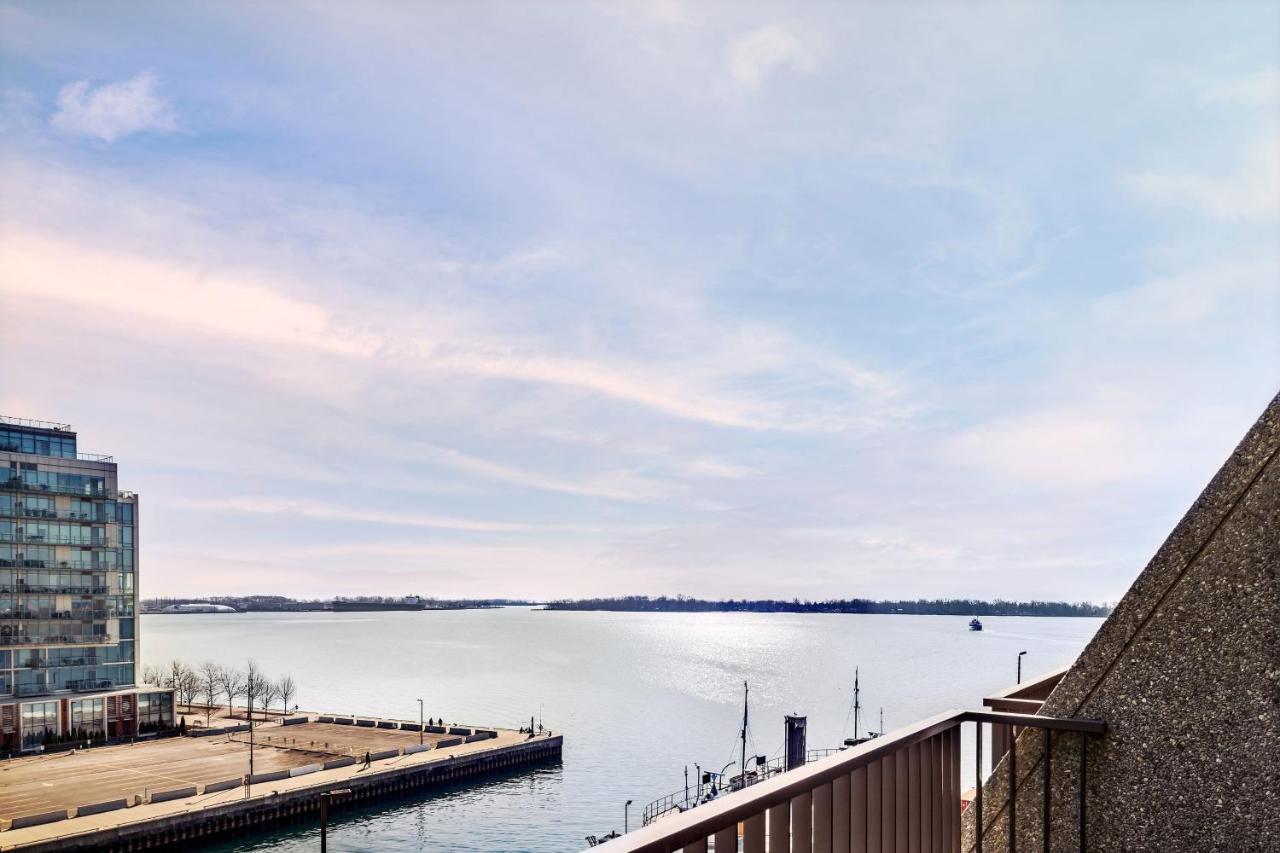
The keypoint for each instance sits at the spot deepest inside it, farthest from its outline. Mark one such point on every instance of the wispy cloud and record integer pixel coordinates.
(354, 514)
(113, 111)
(1250, 193)
(759, 54)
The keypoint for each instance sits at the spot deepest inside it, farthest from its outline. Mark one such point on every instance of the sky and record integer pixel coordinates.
(792, 300)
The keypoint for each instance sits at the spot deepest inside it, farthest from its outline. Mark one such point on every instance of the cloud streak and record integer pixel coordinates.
(113, 111)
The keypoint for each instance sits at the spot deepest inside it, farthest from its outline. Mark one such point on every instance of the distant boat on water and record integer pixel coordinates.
(975, 624)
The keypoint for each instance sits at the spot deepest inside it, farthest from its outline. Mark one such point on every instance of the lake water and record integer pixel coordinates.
(637, 695)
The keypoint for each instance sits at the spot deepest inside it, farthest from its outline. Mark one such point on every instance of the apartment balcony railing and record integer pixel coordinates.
(54, 515)
(900, 791)
(72, 565)
(28, 422)
(57, 640)
(49, 539)
(26, 589)
(16, 484)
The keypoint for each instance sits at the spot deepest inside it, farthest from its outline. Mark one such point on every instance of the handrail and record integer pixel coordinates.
(730, 809)
(30, 422)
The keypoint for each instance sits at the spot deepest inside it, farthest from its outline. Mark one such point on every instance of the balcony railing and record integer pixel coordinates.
(54, 515)
(28, 422)
(16, 484)
(45, 539)
(26, 589)
(898, 791)
(57, 640)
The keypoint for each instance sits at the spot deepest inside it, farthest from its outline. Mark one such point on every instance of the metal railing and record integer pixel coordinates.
(1024, 698)
(56, 640)
(28, 422)
(16, 484)
(898, 791)
(45, 539)
(54, 515)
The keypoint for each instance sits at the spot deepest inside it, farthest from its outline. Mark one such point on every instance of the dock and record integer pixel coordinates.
(178, 791)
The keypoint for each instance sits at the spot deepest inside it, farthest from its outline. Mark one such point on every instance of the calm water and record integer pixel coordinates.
(637, 695)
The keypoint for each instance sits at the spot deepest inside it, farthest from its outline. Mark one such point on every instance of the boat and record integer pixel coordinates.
(975, 624)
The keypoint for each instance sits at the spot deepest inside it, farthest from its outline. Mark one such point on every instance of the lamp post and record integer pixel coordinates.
(419, 722)
(626, 813)
(324, 815)
(1020, 654)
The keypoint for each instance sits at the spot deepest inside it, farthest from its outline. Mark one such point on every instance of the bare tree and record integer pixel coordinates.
(270, 692)
(208, 675)
(231, 681)
(173, 676)
(254, 686)
(286, 689)
(152, 674)
(188, 686)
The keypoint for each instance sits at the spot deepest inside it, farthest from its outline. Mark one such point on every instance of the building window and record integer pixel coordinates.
(155, 711)
(39, 720)
(88, 717)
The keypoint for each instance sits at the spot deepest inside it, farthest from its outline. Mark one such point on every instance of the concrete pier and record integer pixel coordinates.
(186, 805)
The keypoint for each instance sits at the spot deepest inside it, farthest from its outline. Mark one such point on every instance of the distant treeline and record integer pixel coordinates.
(918, 607)
(280, 603)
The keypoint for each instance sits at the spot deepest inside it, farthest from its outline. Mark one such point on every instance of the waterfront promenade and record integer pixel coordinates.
(153, 792)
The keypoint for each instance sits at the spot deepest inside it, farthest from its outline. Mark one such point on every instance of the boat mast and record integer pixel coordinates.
(857, 706)
(743, 762)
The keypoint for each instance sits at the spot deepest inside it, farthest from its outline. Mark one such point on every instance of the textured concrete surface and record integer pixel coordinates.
(1186, 672)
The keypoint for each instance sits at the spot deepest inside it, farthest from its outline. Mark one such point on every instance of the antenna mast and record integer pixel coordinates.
(743, 763)
(857, 706)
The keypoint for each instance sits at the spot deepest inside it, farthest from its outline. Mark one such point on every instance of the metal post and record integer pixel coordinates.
(419, 722)
(324, 815)
(324, 821)
(1044, 815)
(626, 813)
(1013, 790)
(1020, 654)
(977, 800)
(1084, 761)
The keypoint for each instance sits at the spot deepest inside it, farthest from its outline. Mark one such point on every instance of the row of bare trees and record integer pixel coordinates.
(211, 682)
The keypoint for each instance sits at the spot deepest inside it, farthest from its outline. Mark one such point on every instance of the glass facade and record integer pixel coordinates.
(18, 440)
(39, 719)
(89, 717)
(67, 588)
(154, 710)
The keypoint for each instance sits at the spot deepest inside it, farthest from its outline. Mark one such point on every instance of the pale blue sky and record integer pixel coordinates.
(724, 299)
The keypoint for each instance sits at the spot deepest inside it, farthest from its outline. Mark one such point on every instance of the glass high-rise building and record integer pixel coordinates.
(68, 595)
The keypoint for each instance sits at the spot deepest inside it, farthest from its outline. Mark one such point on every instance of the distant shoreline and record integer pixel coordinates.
(856, 606)
(660, 604)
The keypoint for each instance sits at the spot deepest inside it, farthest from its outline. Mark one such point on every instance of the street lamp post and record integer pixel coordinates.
(626, 811)
(324, 815)
(1020, 654)
(419, 722)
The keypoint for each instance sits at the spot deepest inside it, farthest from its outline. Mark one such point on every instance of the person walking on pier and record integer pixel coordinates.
(368, 760)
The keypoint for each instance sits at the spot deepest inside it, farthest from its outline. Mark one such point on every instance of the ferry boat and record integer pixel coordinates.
(975, 624)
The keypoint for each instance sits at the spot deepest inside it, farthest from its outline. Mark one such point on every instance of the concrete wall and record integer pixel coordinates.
(38, 819)
(1186, 673)
(99, 808)
(173, 794)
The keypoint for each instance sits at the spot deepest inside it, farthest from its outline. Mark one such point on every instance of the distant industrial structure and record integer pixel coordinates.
(198, 607)
(68, 595)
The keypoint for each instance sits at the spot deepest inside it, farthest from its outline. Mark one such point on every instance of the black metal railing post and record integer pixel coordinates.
(977, 799)
(1013, 790)
(1044, 816)
(1084, 762)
